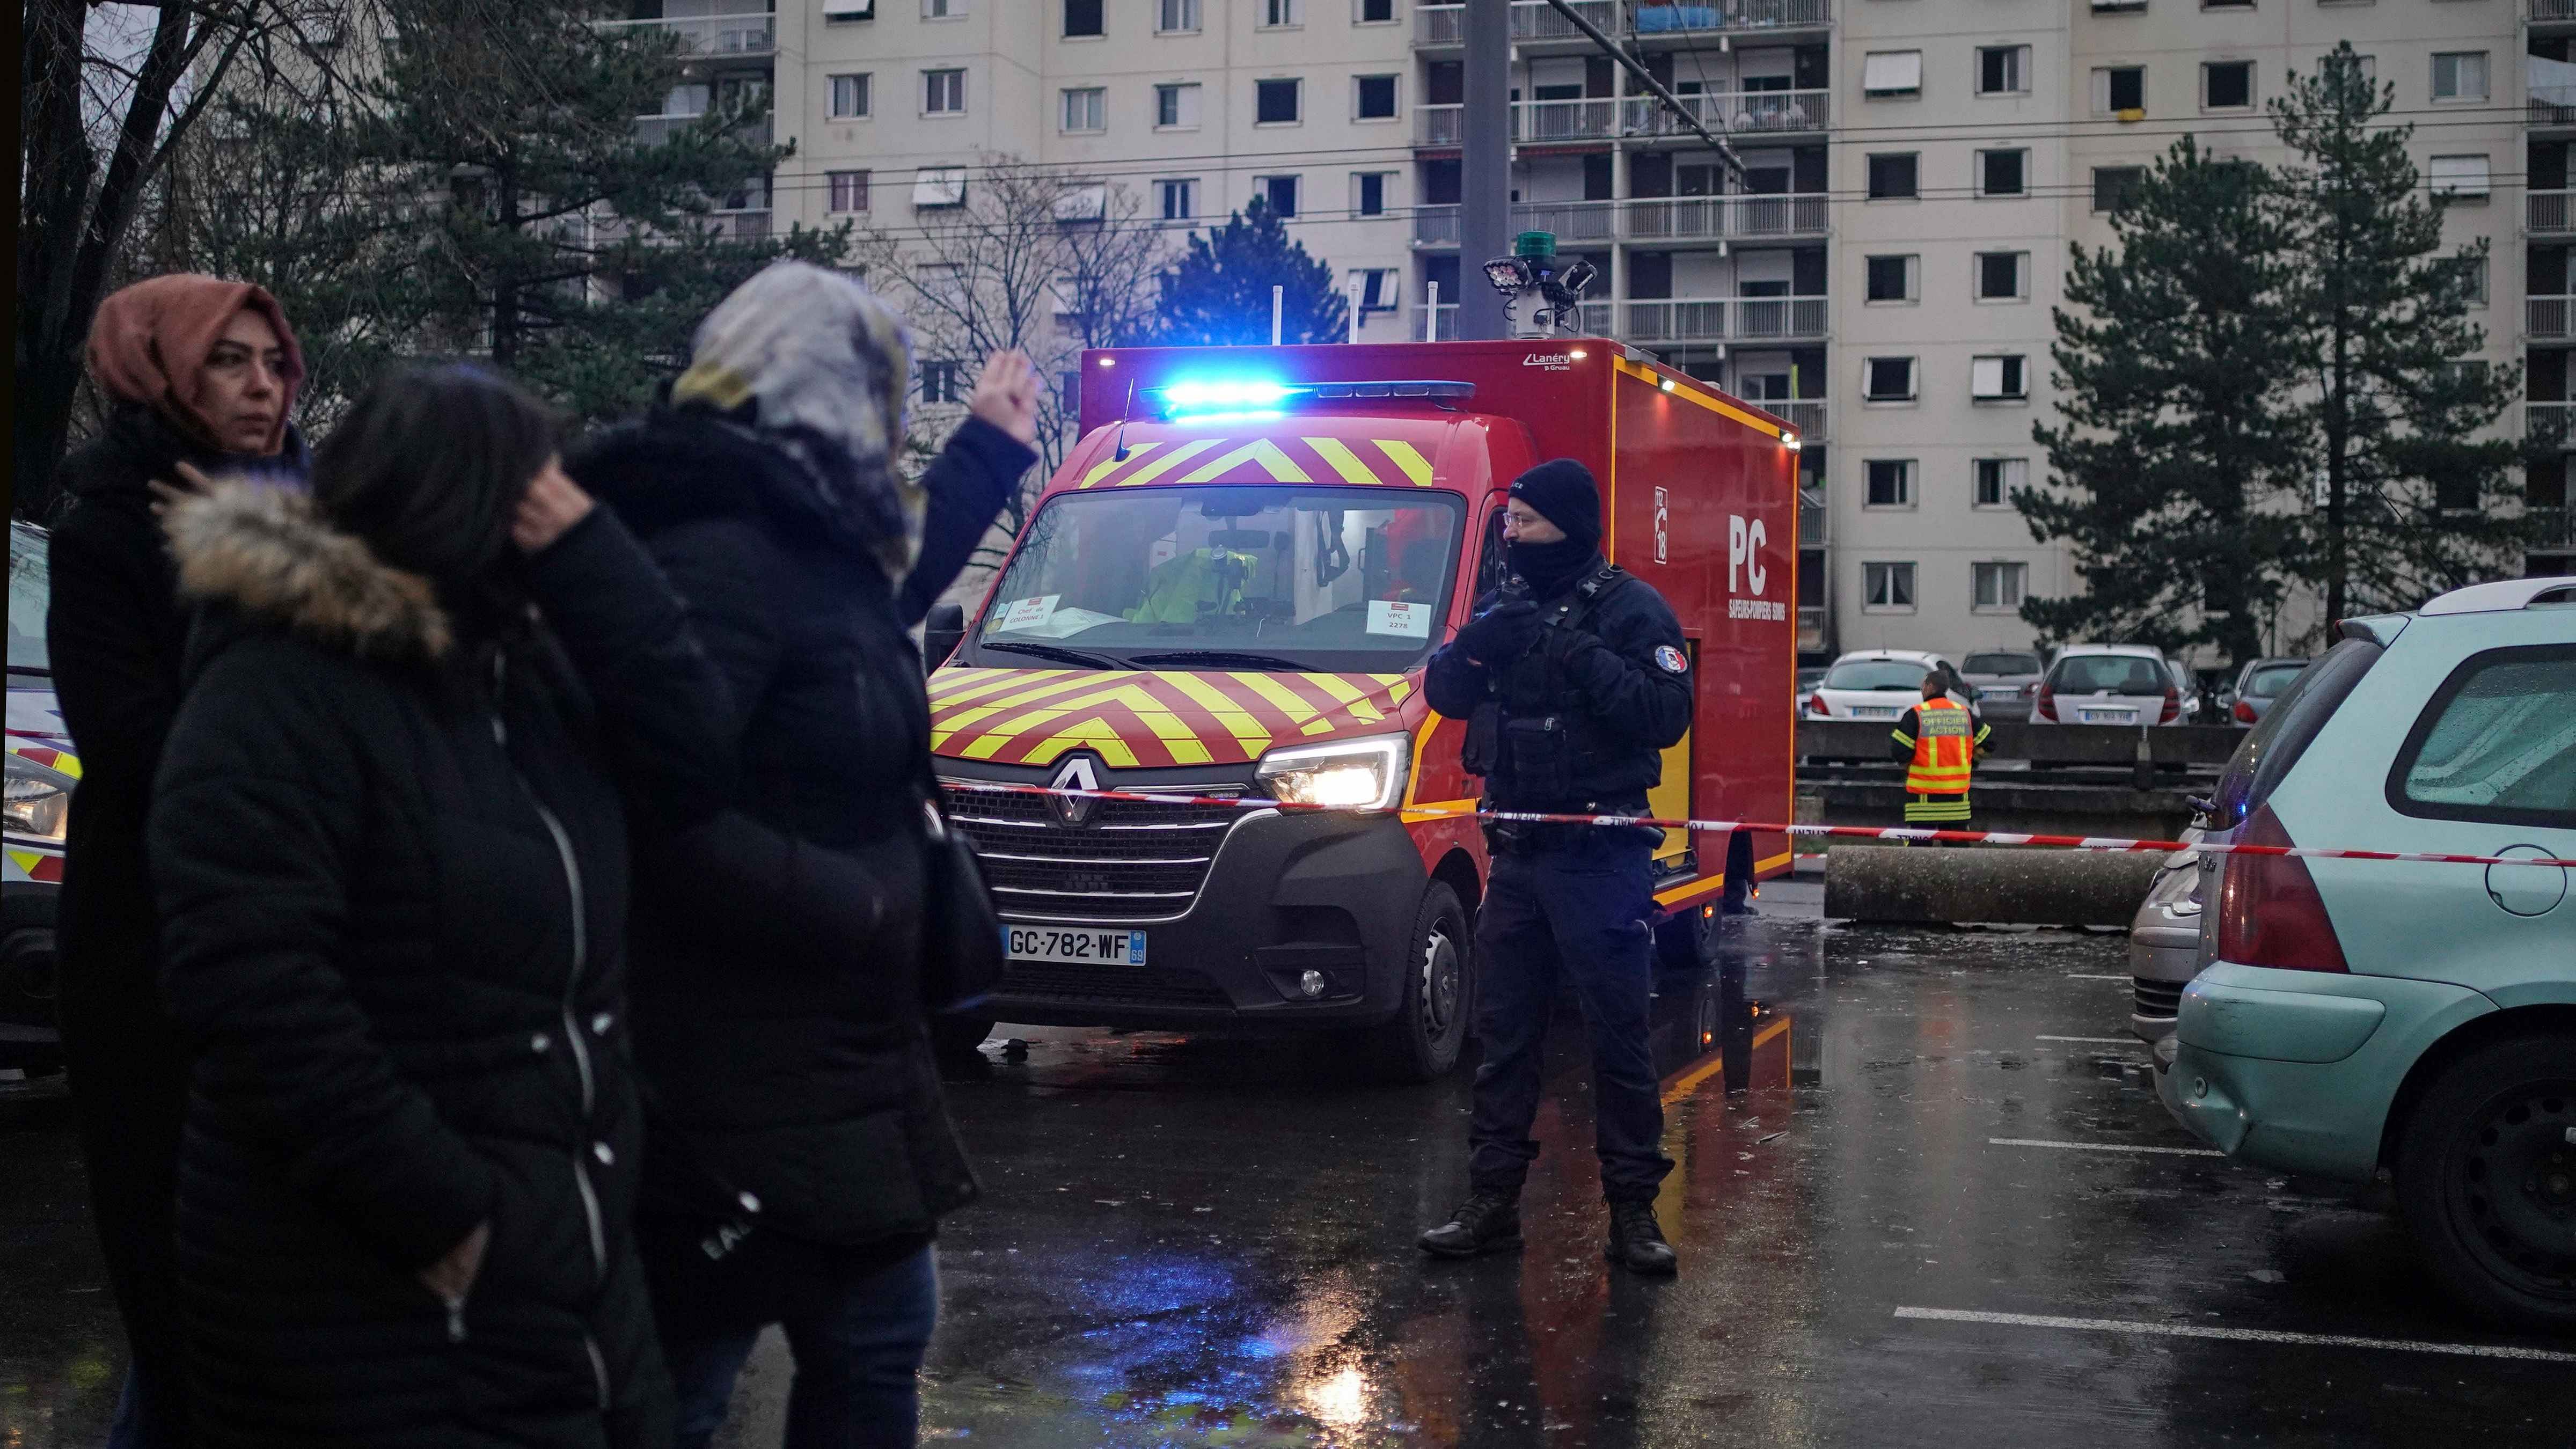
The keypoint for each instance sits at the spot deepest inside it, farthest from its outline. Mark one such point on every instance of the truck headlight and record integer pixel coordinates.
(1365, 775)
(38, 800)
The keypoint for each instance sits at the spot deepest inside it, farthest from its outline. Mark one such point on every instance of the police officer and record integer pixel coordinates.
(1573, 681)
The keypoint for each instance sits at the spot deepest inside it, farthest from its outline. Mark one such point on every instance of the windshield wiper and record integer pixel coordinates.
(1228, 658)
(1057, 652)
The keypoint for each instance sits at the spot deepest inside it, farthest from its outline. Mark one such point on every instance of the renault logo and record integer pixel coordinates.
(1077, 773)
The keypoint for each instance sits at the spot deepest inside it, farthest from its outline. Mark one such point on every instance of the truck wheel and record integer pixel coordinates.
(1421, 1041)
(2486, 1180)
(955, 1038)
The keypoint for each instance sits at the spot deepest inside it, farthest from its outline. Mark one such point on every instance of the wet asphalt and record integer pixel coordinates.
(1201, 1242)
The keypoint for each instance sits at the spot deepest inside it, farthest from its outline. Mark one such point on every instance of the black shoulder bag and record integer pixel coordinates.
(961, 936)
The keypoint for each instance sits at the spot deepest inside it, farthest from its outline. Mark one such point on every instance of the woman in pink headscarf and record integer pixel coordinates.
(199, 374)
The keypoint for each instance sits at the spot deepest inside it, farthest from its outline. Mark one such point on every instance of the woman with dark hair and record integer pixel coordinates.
(802, 1153)
(198, 373)
(390, 857)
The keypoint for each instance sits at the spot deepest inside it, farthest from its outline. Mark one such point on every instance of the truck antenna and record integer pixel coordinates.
(1123, 410)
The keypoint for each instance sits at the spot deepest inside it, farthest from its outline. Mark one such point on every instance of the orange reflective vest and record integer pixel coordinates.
(1944, 748)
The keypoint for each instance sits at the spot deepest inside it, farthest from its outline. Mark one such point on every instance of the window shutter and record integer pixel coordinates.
(1892, 73)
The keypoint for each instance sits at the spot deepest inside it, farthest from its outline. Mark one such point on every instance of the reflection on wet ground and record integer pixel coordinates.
(1187, 1242)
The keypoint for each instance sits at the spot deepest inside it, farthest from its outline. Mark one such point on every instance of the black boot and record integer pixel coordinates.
(1637, 1242)
(1489, 1222)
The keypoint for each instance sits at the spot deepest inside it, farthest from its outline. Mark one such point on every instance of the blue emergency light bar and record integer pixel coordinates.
(1235, 395)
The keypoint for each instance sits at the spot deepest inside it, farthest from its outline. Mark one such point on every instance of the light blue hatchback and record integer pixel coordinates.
(2356, 1017)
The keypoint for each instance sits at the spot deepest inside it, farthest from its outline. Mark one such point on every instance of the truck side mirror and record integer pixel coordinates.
(941, 633)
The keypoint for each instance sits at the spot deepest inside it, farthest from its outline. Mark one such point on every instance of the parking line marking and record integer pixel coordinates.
(2105, 1040)
(2089, 976)
(2102, 1146)
(2246, 1335)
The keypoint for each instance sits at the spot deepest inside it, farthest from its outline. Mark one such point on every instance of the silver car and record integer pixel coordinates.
(2259, 685)
(2164, 942)
(2108, 684)
(2005, 680)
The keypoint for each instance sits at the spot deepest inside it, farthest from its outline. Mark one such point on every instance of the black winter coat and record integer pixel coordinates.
(778, 1002)
(392, 870)
(116, 636)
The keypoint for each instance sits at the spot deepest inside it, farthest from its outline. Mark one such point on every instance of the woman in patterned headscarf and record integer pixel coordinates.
(801, 1152)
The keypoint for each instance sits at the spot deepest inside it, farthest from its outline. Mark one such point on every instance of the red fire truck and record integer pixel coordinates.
(1230, 589)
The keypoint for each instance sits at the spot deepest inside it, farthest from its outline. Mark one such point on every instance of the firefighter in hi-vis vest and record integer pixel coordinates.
(1939, 740)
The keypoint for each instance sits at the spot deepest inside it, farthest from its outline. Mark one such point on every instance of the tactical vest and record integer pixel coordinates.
(1532, 737)
(1943, 748)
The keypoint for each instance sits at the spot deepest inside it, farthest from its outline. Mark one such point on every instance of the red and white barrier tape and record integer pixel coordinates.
(1847, 832)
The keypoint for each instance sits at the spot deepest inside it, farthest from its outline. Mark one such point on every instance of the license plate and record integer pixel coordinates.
(1074, 943)
(2108, 716)
(1863, 711)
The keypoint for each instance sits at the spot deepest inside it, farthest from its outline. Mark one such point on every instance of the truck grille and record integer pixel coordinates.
(2157, 998)
(1131, 861)
(1117, 985)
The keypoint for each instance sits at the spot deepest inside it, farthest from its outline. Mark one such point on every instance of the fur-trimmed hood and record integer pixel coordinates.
(267, 554)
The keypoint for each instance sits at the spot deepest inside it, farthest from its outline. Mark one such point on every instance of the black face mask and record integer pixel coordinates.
(1550, 568)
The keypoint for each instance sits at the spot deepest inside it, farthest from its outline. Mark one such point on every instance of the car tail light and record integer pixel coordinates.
(2173, 706)
(2045, 706)
(2269, 912)
(2244, 712)
(1816, 705)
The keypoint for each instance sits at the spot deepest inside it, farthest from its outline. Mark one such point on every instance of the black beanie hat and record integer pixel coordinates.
(1564, 494)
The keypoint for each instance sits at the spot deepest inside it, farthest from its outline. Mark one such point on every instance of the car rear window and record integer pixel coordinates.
(2109, 673)
(2270, 680)
(2273, 746)
(2000, 664)
(1876, 674)
(2497, 742)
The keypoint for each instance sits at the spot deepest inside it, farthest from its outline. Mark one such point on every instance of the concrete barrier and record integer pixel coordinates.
(1898, 885)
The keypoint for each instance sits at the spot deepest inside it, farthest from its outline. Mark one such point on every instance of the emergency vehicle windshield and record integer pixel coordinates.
(1326, 579)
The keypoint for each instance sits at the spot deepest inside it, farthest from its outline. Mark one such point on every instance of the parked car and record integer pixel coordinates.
(2108, 684)
(2358, 1016)
(1808, 678)
(1881, 684)
(2164, 941)
(2005, 680)
(2258, 685)
(2186, 691)
(41, 772)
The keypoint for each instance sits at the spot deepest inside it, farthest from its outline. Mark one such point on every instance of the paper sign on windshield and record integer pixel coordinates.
(1408, 621)
(1027, 613)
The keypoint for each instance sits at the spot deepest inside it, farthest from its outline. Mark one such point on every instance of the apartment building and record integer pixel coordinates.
(1881, 274)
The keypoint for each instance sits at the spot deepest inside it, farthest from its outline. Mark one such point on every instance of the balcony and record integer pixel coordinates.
(1571, 221)
(1740, 113)
(737, 223)
(2547, 422)
(1532, 20)
(2547, 213)
(2552, 529)
(1726, 319)
(1651, 219)
(1812, 516)
(2544, 12)
(1655, 21)
(2549, 319)
(2551, 86)
(1537, 123)
(654, 130)
(1807, 415)
(712, 36)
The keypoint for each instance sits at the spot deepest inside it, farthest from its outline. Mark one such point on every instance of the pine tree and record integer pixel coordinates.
(2175, 449)
(1219, 292)
(2412, 500)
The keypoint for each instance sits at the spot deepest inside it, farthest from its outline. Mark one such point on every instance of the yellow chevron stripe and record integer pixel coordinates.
(1352, 697)
(1281, 467)
(1152, 713)
(977, 682)
(948, 729)
(1094, 732)
(1113, 462)
(1408, 458)
(1344, 461)
(1297, 709)
(1148, 472)
(1222, 708)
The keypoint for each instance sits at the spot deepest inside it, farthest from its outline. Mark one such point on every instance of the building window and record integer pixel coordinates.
(1368, 192)
(1997, 588)
(2473, 274)
(1176, 108)
(836, 11)
(1894, 279)
(2003, 173)
(1996, 478)
(1178, 198)
(1274, 102)
(2115, 188)
(937, 186)
(850, 97)
(1887, 588)
(1891, 482)
(2003, 276)
(1373, 12)
(943, 9)
(1378, 288)
(1999, 379)
(1887, 75)
(1373, 97)
(1086, 109)
(2118, 88)
(943, 381)
(1083, 20)
(849, 190)
(1279, 192)
(1278, 13)
(1891, 176)
(2227, 85)
(1887, 379)
(2003, 70)
(1172, 17)
(943, 92)
(2460, 75)
(2459, 178)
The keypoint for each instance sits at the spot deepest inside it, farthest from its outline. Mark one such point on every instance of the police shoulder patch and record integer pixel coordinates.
(1671, 659)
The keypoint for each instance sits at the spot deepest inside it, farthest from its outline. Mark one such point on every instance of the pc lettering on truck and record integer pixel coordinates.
(1229, 591)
